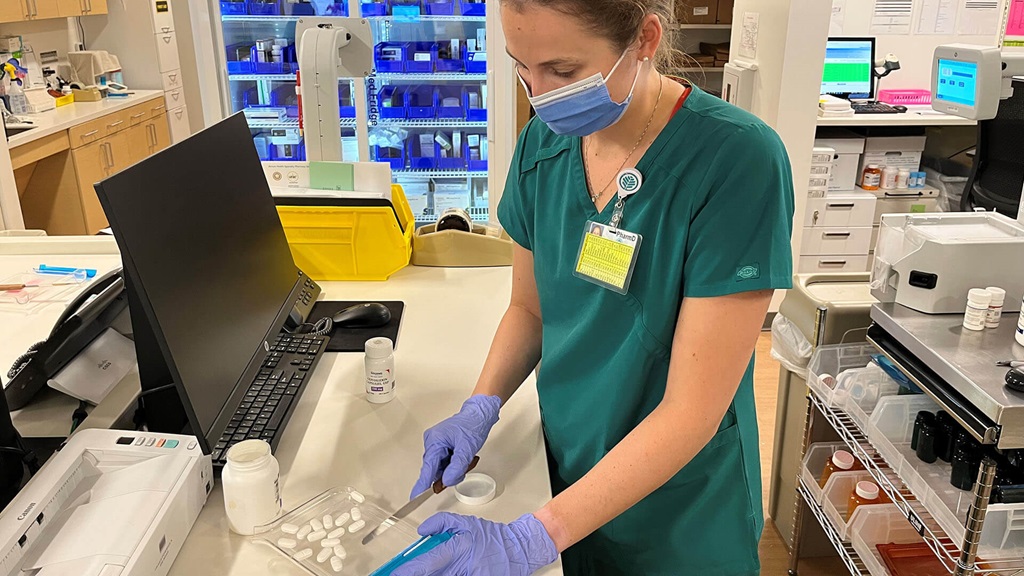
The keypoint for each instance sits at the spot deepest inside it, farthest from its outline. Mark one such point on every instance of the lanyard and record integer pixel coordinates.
(629, 181)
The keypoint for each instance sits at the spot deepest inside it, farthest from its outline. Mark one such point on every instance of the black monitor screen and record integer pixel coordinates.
(201, 238)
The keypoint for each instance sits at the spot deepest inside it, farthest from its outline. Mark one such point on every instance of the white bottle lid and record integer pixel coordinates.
(843, 459)
(867, 490)
(379, 347)
(998, 295)
(979, 297)
(873, 166)
(904, 172)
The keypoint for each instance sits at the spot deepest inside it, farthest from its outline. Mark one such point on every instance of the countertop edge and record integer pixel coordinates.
(30, 136)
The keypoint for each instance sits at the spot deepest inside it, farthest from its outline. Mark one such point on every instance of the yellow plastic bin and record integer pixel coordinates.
(349, 242)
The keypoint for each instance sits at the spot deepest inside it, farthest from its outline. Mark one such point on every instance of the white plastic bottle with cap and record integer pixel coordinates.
(977, 309)
(251, 481)
(380, 370)
(1020, 326)
(995, 307)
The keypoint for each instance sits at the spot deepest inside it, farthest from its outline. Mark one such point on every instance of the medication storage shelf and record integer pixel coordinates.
(258, 18)
(391, 19)
(413, 173)
(432, 76)
(845, 550)
(439, 123)
(261, 77)
(948, 552)
(255, 123)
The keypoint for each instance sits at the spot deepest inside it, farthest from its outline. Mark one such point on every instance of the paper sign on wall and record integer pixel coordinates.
(838, 21)
(979, 17)
(892, 17)
(937, 17)
(748, 40)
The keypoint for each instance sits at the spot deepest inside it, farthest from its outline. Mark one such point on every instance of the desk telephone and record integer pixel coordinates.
(83, 320)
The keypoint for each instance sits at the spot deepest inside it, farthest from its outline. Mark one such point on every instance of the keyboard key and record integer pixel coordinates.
(262, 422)
(242, 430)
(278, 417)
(238, 437)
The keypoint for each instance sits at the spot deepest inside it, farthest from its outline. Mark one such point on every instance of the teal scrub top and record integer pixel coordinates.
(715, 212)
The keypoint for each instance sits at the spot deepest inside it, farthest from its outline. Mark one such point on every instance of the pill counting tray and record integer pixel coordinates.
(360, 560)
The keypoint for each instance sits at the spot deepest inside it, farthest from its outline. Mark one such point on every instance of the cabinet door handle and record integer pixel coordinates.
(35, 8)
(846, 206)
(836, 234)
(107, 163)
(832, 263)
(115, 124)
(157, 109)
(93, 133)
(139, 115)
(89, 2)
(151, 134)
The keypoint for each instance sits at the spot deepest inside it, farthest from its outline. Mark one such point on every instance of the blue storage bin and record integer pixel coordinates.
(232, 8)
(448, 163)
(390, 66)
(478, 114)
(262, 146)
(238, 56)
(473, 8)
(298, 8)
(442, 64)
(396, 97)
(417, 161)
(408, 8)
(392, 156)
(369, 9)
(473, 165)
(264, 8)
(439, 7)
(414, 49)
(285, 97)
(346, 104)
(251, 97)
(337, 9)
(419, 102)
(297, 153)
(442, 92)
(476, 62)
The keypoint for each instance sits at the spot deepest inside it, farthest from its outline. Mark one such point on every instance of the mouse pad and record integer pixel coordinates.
(354, 339)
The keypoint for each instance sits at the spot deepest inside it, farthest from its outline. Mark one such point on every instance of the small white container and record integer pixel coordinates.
(903, 179)
(890, 174)
(1020, 327)
(380, 370)
(251, 482)
(977, 309)
(995, 307)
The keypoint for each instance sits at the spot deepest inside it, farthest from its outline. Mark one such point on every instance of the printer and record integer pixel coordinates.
(929, 262)
(110, 503)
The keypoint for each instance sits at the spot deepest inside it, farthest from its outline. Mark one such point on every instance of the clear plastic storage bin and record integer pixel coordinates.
(831, 361)
(890, 429)
(817, 456)
(835, 499)
(874, 525)
(360, 559)
(858, 391)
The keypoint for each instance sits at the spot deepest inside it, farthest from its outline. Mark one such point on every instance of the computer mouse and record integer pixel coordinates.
(369, 315)
(900, 109)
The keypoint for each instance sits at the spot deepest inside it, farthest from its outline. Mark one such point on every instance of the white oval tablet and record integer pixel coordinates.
(289, 528)
(324, 555)
(357, 515)
(303, 532)
(287, 543)
(316, 536)
(328, 522)
(302, 554)
(330, 542)
(340, 552)
(358, 497)
(340, 521)
(336, 564)
(336, 533)
(356, 526)
(316, 524)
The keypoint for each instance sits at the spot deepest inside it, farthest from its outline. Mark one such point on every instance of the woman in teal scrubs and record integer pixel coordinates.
(646, 390)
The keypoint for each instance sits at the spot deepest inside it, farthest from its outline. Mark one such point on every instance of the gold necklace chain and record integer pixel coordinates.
(595, 196)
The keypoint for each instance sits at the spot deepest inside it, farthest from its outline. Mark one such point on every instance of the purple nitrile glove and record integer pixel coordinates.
(449, 447)
(483, 548)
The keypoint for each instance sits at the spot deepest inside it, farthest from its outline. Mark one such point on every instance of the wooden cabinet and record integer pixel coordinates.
(71, 8)
(44, 9)
(148, 138)
(15, 10)
(96, 162)
(23, 10)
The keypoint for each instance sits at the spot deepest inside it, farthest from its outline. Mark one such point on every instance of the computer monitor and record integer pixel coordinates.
(210, 275)
(849, 65)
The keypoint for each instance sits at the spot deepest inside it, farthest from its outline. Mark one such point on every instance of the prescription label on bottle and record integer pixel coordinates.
(607, 256)
(380, 381)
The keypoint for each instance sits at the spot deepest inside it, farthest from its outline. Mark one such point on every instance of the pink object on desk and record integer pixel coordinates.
(906, 97)
(1015, 23)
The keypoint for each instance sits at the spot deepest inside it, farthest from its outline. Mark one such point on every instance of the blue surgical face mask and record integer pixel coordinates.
(581, 108)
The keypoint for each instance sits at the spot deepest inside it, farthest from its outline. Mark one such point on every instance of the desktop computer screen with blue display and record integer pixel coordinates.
(957, 82)
(848, 68)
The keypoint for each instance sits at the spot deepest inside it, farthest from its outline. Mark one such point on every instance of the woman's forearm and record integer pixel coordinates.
(515, 352)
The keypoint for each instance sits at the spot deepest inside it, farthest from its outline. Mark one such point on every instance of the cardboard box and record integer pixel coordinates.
(848, 148)
(699, 60)
(898, 151)
(725, 9)
(719, 51)
(697, 11)
(721, 63)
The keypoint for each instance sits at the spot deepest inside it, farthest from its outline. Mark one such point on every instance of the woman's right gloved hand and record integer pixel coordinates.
(449, 447)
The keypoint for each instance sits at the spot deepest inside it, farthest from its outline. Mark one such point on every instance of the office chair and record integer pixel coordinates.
(997, 174)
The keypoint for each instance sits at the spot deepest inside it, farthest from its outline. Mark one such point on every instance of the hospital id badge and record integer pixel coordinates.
(607, 256)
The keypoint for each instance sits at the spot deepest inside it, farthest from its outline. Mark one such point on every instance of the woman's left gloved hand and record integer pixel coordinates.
(483, 548)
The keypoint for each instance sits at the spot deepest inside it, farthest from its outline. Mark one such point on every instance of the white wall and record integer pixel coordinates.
(790, 59)
(914, 50)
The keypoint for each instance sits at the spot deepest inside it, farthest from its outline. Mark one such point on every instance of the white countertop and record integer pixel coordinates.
(65, 117)
(914, 116)
(335, 437)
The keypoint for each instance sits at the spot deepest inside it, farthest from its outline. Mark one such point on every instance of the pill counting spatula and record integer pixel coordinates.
(413, 504)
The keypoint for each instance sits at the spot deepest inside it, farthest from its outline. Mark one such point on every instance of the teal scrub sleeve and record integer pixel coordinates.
(513, 212)
(739, 238)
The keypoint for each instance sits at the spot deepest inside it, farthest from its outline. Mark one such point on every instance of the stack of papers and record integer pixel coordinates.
(832, 107)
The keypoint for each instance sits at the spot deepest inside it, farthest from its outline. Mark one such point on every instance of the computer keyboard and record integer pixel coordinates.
(268, 403)
(873, 108)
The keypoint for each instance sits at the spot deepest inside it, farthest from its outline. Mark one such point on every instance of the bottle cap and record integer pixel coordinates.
(867, 490)
(979, 296)
(379, 347)
(843, 459)
(998, 295)
(873, 166)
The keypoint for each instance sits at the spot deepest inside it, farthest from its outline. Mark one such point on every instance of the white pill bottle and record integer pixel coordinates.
(251, 482)
(380, 370)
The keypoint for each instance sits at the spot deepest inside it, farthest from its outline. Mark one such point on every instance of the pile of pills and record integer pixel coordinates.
(325, 534)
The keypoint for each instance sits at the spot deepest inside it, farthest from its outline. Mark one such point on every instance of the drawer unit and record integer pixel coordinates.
(163, 18)
(904, 206)
(812, 264)
(841, 210)
(171, 80)
(177, 120)
(167, 51)
(832, 241)
(174, 99)
(94, 130)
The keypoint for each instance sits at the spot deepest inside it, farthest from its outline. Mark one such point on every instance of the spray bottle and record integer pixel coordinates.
(15, 95)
